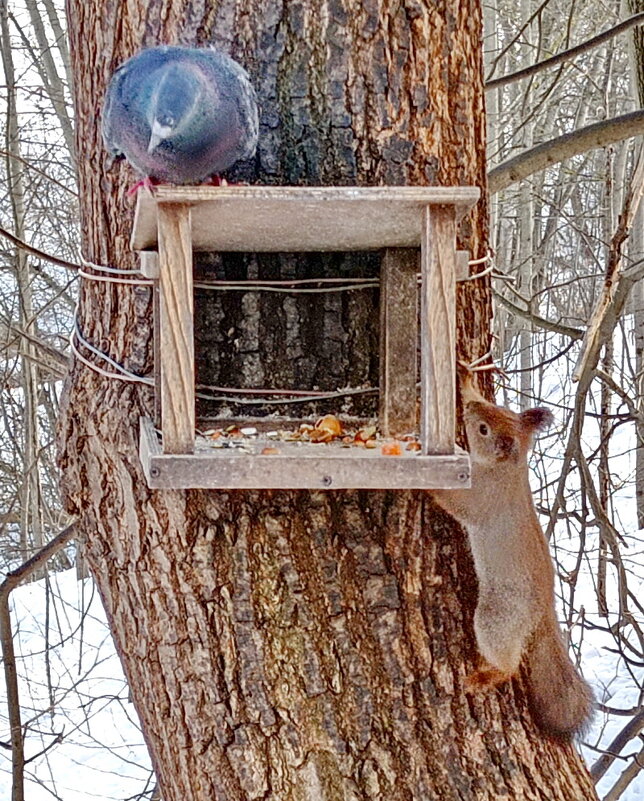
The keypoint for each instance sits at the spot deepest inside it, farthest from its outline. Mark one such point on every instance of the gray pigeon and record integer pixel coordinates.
(180, 114)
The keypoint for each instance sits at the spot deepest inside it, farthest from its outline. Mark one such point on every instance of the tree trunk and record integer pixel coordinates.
(294, 645)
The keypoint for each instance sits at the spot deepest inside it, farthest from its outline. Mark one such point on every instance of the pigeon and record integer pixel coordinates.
(180, 115)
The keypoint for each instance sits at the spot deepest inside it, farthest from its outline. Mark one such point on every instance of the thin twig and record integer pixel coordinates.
(567, 55)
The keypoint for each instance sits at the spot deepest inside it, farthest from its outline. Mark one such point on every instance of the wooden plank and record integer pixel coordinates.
(328, 466)
(149, 447)
(176, 334)
(260, 218)
(462, 264)
(149, 261)
(270, 472)
(398, 341)
(202, 471)
(438, 330)
(156, 327)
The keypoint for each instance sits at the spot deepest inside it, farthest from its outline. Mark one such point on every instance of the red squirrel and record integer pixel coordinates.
(515, 617)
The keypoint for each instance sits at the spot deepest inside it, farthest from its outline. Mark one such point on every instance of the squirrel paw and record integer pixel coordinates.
(484, 678)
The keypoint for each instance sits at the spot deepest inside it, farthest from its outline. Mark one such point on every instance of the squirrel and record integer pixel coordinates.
(515, 616)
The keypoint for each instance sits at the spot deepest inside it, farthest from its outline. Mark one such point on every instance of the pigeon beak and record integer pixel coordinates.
(157, 135)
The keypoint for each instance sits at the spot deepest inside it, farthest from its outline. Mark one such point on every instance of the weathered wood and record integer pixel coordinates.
(398, 341)
(298, 218)
(295, 466)
(149, 261)
(278, 218)
(156, 326)
(149, 446)
(438, 331)
(176, 335)
(462, 264)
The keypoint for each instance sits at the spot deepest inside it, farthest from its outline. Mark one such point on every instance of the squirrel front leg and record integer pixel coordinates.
(502, 624)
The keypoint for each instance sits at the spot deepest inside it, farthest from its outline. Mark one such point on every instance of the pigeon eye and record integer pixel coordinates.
(484, 429)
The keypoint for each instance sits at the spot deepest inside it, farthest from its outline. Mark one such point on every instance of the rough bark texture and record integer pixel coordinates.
(295, 645)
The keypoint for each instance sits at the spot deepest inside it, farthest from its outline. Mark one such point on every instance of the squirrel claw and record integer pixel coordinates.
(484, 678)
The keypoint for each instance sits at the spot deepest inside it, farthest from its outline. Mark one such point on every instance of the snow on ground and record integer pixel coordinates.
(79, 692)
(615, 683)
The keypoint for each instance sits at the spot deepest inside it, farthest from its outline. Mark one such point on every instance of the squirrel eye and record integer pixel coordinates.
(484, 429)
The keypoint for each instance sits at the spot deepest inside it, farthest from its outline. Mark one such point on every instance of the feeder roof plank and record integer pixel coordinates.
(283, 219)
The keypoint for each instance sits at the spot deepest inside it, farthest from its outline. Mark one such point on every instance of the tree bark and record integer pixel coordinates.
(294, 645)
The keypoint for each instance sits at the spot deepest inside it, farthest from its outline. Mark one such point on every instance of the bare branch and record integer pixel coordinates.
(632, 729)
(567, 55)
(541, 322)
(626, 777)
(40, 254)
(598, 134)
(54, 362)
(13, 701)
(35, 169)
(46, 66)
(13, 579)
(517, 36)
(605, 314)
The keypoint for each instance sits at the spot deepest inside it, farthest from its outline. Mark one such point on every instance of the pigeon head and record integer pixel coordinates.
(174, 105)
(180, 114)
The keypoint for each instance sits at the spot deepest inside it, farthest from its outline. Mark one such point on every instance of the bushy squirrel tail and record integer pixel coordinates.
(561, 701)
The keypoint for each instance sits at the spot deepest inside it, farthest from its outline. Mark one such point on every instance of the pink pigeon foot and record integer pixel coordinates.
(147, 183)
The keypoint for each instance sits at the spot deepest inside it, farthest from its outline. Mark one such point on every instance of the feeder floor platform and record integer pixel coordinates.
(296, 465)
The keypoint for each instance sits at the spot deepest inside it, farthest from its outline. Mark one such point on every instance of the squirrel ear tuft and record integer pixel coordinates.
(537, 419)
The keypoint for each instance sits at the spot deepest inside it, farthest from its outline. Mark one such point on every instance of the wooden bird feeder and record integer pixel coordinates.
(414, 227)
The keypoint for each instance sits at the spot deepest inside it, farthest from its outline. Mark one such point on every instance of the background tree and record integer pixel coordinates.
(294, 644)
(585, 355)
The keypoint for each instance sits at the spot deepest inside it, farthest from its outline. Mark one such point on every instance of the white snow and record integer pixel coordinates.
(102, 755)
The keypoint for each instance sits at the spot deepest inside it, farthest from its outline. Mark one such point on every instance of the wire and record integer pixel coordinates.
(483, 259)
(286, 286)
(102, 268)
(125, 375)
(122, 375)
(100, 370)
(486, 271)
(288, 290)
(284, 401)
(108, 279)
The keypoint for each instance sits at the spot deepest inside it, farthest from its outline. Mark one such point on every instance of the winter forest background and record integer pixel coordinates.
(555, 239)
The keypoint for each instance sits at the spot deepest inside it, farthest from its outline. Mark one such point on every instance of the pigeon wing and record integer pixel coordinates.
(248, 114)
(227, 72)
(111, 105)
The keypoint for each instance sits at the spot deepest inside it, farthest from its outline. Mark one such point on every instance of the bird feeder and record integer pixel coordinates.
(414, 227)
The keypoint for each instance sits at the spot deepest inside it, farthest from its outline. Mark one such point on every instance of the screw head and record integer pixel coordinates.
(327, 481)
(154, 472)
(463, 476)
